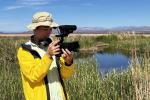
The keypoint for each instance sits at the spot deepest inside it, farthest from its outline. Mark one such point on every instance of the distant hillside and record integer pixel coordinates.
(100, 30)
(140, 29)
(27, 32)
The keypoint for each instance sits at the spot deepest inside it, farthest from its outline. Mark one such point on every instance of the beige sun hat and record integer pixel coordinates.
(42, 19)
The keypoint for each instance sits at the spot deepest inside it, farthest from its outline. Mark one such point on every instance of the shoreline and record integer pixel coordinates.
(29, 34)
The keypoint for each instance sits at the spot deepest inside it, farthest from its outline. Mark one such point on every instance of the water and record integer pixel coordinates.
(106, 62)
(109, 59)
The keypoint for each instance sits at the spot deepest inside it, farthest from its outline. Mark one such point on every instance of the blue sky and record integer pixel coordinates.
(16, 14)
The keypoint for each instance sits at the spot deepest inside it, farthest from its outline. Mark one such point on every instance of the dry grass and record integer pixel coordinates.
(86, 83)
(15, 35)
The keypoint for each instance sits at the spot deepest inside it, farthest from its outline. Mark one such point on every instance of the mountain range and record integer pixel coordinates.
(136, 29)
(101, 30)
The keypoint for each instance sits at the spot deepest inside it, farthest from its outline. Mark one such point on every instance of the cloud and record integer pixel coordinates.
(33, 2)
(27, 3)
(12, 7)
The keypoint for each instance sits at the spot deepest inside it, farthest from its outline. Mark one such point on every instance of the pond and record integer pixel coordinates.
(109, 58)
(106, 62)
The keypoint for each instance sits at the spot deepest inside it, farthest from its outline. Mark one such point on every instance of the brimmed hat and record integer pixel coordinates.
(42, 19)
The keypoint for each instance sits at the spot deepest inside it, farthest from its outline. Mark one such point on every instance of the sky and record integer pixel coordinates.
(15, 15)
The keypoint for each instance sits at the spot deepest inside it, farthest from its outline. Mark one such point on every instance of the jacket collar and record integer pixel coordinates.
(41, 44)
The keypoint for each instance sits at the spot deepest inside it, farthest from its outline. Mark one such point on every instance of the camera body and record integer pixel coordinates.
(64, 31)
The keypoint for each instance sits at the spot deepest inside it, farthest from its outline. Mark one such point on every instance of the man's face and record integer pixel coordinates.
(43, 32)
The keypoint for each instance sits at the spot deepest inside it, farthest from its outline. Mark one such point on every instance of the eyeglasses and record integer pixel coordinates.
(45, 28)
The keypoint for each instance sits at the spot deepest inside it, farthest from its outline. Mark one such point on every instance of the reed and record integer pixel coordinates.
(86, 83)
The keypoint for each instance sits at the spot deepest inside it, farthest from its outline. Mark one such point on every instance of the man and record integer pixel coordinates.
(41, 77)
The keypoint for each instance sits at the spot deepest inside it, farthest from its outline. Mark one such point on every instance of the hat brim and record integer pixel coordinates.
(33, 26)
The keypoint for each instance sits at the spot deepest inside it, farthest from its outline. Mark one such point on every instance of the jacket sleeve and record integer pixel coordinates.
(33, 69)
(66, 71)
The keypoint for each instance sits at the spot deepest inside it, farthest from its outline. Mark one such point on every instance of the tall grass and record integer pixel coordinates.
(119, 41)
(86, 83)
(10, 77)
(132, 84)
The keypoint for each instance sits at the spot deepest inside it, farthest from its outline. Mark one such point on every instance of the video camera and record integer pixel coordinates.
(64, 31)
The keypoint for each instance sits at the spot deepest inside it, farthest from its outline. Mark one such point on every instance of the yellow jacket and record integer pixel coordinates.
(34, 70)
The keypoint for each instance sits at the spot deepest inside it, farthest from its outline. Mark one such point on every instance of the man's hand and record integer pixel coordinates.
(53, 48)
(67, 55)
